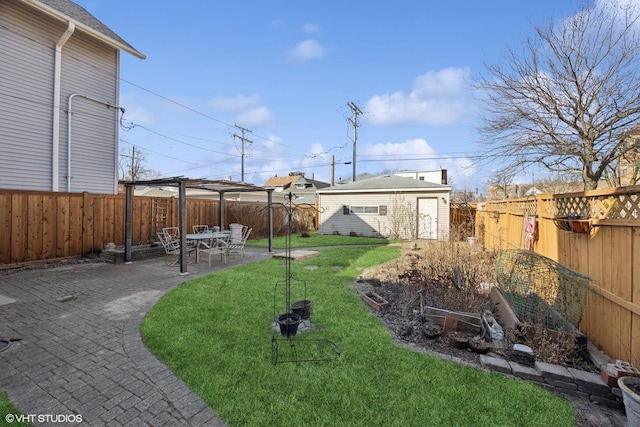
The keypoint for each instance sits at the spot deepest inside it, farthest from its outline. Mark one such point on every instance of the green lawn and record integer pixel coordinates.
(316, 240)
(7, 411)
(215, 333)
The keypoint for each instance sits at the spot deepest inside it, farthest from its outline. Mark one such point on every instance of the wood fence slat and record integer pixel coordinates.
(609, 254)
(48, 226)
(5, 228)
(34, 227)
(19, 209)
(76, 225)
(62, 229)
(86, 235)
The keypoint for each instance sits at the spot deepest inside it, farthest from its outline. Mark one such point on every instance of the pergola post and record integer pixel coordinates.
(270, 218)
(221, 210)
(182, 196)
(128, 218)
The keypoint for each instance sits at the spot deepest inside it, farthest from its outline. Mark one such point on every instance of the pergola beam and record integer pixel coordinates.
(221, 187)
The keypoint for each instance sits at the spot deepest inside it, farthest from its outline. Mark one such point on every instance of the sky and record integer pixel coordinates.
(288, 71)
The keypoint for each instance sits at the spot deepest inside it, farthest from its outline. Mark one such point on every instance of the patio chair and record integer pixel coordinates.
(218, 246)
(200, 228)
(172, 232)
(172, 246)
(238, 247)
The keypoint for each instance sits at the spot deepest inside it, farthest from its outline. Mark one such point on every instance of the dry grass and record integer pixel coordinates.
(448, 274)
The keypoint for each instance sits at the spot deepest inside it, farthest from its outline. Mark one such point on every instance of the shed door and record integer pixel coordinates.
(428, 218)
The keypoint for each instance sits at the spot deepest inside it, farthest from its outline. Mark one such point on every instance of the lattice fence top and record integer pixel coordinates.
(618, 205)
(524, 207)
(615, 206)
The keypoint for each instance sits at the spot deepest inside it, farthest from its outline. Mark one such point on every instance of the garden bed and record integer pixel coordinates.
(433, 281)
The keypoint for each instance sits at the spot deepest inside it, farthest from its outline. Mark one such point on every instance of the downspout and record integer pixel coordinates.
(69, 114)
(56, 105)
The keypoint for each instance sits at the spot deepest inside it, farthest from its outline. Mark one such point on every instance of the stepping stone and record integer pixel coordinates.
(296, 254)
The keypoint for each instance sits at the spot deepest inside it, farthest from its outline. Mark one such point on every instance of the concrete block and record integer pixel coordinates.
(556, 372)
(611, 403)
(495, 364)
(525, 372)
(564, 385)
(521, 348)
(597, 357)
(590, 380)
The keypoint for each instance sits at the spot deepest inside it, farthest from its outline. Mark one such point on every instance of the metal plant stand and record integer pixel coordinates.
(288, 322)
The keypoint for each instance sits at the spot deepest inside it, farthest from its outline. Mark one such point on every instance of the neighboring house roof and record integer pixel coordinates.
(66, 10)
(386, 183)
(155, 192)
(359, 177)
(309, 184)
(281, 181)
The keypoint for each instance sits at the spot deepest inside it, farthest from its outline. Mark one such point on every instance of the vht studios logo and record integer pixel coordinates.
(43, 418)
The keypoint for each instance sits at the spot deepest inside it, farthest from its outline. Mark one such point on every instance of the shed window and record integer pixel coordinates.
(364, 209)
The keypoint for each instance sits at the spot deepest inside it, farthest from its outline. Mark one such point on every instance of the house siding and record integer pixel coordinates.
(89, 69)
(27, 48)
(404, 224)
(26, 98)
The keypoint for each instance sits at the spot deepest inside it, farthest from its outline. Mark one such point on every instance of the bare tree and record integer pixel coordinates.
(570, 97)
(502, 180)
(132, 165)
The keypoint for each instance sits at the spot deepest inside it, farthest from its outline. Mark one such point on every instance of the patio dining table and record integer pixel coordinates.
(208, 236)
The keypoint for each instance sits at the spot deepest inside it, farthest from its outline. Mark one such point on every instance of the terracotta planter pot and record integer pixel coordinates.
(374, 300)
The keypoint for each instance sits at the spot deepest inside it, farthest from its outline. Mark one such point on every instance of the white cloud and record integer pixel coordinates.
(235, 103)
(134, 111)
(270, 141)
(255, 117)
(306, 50)
(397, 153)
(310, 28)
(395, 156)
(437, 98)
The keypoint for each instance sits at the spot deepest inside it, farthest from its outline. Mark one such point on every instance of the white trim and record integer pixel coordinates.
(61, 16)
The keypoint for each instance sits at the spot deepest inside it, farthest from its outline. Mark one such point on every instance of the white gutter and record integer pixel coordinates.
(69, 113)
(56, 106)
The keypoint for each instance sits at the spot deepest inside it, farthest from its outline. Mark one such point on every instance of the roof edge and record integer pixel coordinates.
(333, 190)
(66, 18)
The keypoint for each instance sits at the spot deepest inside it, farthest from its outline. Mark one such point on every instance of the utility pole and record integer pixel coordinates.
(354, 121)
(333, 167)
(133, 164)
(243, 140)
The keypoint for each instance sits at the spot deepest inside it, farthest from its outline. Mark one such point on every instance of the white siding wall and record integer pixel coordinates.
(89, 69)
(27, 49)
(332, 219)
(26, 98)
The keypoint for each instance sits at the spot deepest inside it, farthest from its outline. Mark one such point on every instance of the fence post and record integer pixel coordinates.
(87, 224)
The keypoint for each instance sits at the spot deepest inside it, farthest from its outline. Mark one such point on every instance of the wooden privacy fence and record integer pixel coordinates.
(595, 233)
(461, 220)
(39, 226)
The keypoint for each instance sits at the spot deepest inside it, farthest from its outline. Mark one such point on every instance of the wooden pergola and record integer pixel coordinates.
(182, 183)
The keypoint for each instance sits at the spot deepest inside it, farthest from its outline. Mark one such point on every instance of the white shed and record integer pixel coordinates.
(386, 206)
